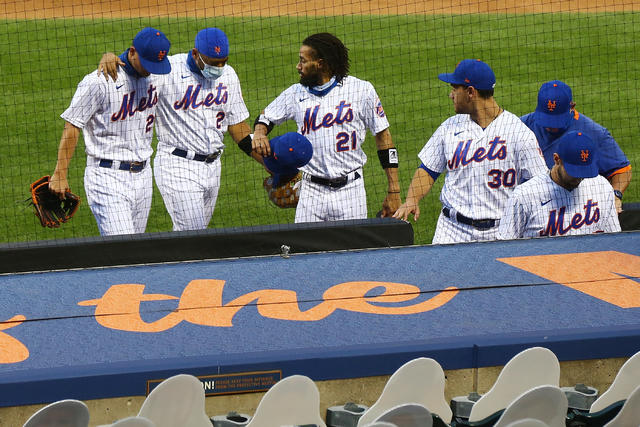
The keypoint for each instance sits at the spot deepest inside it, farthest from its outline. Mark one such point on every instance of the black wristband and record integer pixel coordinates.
(618, 194)
(388, 158)
(263, 120)
(245, 144)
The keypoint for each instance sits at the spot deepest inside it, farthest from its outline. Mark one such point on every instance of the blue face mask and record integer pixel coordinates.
(209, 71)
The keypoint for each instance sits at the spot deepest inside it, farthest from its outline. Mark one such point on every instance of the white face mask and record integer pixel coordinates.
(209, 71)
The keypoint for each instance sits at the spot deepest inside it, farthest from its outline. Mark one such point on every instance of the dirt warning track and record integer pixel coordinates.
(41, 9)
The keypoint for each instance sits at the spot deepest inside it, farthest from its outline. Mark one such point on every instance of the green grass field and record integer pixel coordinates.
(43, 60)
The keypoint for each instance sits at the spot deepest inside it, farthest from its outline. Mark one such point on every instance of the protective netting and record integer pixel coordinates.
(399, 47)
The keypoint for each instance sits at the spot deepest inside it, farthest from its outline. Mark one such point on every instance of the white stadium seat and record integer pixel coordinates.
(545, 403)
(66, 412)
(627, 379)
(133, 422)
(527, 422)
(530, 368)
(629, 415)
(177, 401)
(293, 400)
(418, 381)
(407, 415)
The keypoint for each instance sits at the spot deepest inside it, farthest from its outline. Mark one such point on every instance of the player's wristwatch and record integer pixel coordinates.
(618, 194)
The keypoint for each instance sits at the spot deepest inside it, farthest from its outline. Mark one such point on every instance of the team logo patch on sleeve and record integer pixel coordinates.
(379, 109)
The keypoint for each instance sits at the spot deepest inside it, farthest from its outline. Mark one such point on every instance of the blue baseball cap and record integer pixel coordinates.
(554, 105)
(289, 152)
(153, 47)
(579, 154)
(471, 72)
(212, 42)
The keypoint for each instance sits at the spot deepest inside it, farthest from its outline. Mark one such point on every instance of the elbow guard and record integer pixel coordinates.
(263, 120)
(388, 158)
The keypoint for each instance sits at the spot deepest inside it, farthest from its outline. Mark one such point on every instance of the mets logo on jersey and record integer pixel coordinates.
(497, 150)
(551, 105)
(379, 109)
(128, 107)
(343, 114)
(556, 224)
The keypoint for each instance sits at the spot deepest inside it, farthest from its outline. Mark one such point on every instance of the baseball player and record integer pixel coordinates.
(555, 115)
(117, 121)
(486, 152)
(199, 101)
(572, 199)
(333, 110)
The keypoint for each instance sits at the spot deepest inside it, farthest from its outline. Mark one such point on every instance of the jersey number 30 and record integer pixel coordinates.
(343, 138)
(502, 178)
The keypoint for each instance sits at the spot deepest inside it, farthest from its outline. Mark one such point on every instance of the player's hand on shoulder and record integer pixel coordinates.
(391, 204)
(108, 65)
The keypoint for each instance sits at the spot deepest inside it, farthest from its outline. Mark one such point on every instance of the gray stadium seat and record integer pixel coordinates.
(66, 412)
(544, 403)
(527, 422)
(610, 403)
(626, 380)
(530, 368)
(629, 415)
(418, 381)
(177, 401)
(407, 415)
(382, 424)
(133, 422)
(292, 401)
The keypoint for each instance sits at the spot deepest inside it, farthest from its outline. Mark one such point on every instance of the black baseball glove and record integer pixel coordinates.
(50, 209)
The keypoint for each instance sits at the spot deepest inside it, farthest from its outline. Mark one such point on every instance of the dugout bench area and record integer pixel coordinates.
(347, 319)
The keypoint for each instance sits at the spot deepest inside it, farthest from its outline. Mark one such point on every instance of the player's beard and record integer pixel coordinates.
(310, 79)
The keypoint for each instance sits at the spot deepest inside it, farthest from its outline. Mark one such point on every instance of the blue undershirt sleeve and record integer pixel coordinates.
(433, 174)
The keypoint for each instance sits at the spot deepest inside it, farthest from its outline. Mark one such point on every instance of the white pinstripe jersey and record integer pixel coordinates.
(194, 112)
(540, 207)
(336, 124)
(116, 118)
(483, 165)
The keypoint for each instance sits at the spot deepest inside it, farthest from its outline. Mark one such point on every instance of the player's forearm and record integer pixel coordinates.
(241, 134)
(394, 181)
(68, 143)
(421, 184)
(239, 131)
(384, 142)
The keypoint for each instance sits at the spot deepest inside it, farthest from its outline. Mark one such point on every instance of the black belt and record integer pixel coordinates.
(198, 157)
(480, 224)
(124, 166)
(333, 183)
